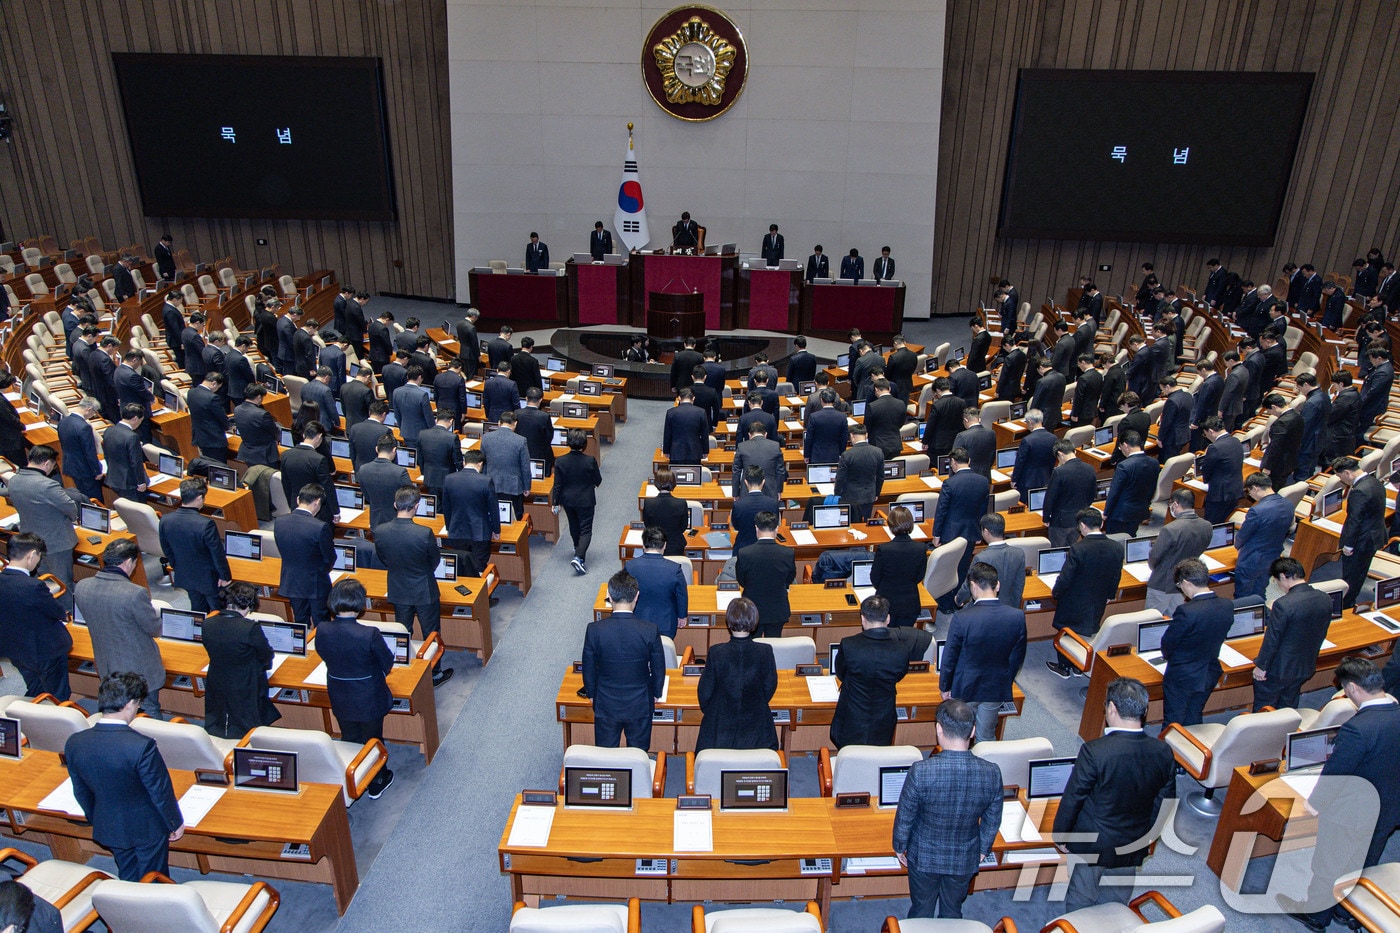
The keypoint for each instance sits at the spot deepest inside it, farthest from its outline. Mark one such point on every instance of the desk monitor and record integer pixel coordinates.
(1035, 498)
(1104, 485)
(1048, 777)
(1337, 609)
(9, 739)
(843, 360)
(150, 387)
(427, 506)
(1249, 620)
(753, 790)
(1018, 410)
(915, 507)
(1222, 535)
(284, 438)
(831, 516)
(1102, 436)
(931, 364)
(603, 370)
(575, 410)
(1309, 749)
(95, 518)
(1387, 592)
(944, 465)
(349, 497)
(406, 457)
(225, 478)
(446, 568)
(894, 469)
(1332, 500)
(560, 438)
(686, 475)
(400, 646)
(181, 624)
(938, 644)
(598, 787)
(536, 469)
(1051, 560)
(860, 573)
(260, 769)
(353, 369)
(891, 783)
(171, 465)
(344, 558)
(858, 409)
(244, 545)
(506, 511)
(340, 447)
(391, 419)
(554, 364)
(590, 388)
(806, 388)
(274, 384)
(285, 637)
(473, 400)
(171, 400)
(984, 381)
(819, 473)
(1136, 550)
(1150, 636)
(1006, 458)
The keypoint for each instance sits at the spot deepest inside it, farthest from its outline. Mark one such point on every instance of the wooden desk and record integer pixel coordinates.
(519, 298)
(510, 551)
(830, 310)
(246, 832)
(1241, 836)
(234, 509)
(603, 407)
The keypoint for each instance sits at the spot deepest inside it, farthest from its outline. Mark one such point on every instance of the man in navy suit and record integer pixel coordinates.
(536, 254)
(1298, 623)
(1134, 484)
(802, 365)
(122, 784)
(860, 475)
(79, 444)
(1191, 644)
(961, 504)
(1222, 470)
(380, 479)
(624, 668)
(412, 554)
(499, 393)
(32, 627)
(1049, 394)
(209, 418)
(884, 266)
(662, 598)
(126, 461)
(132, 389)
(305, 463)
(1035, 457)
(1086, 582)
(308, 553)
(412, 408)
(1363, 532)
(747, 507)
(1310, 298)
(685, 235)
(1206, 402)
(175, 324)
(1261, 535)
(319, 390)
(685, 436)
(600, 243)
(257, 431)
(979, 441)
(818, 266)
(364, 436)
(772, 246)
(984, 652)
(1215, 284)
(193, 543)
(827, 435)
(853, 266)
(470, 510)
(1174, 423)
(1334, 306)
(765, 570)
(1315, 410)
(439, 451)
(1073, 487)
(767, 454)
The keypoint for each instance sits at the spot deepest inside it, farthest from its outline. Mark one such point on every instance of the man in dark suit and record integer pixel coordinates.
(772, 250)
(1093, 305)
(499, 393)
(980, 346)
(1314, 411)
(1142, 367)
(853, 266)
(534, 424)
(1205, 403)
(536, 254)
(412, 554)
(132, 389)
(683, 367)
(1234, 390)
(1073, 487)
(1013, 370)
(449, 390)
(818, 266)
(979, 441)
(174, 323)
(1115, 383)
(319, 390)
(899, 369)
(381, 341)
(126, 461)
(963, 382)
(257, 431)
(125, 286)
(1086, 582)
(1310, 295)
(216, 360)
(33, 627)
(1261, 536)
(761, 451)
(306, 544)
(884, 266)
(470, 511)
(1008, 304)
(1035, 457)
(365, 435)
(1215, 282)
(672, 514)
(765, 570)
(304, 464)
(1064, 353)
(945, 418)
(706, 398)
(193, 543)
(192, 339)
(1363, 532)
(332, 357)
(238, 371)
(1174, 423)
(1191, 645)
(1112, 799)
(525, 368)
(165, 258)
(884, 416)
(1088, 386)
(357, 397)
(380, 479)
(1375, 390)
(600, 243)
(860, 474)
(1275, 362)
(1129, 501)
(1298, 623)
(985, 650)
(498, 348)
(1365, 279)
(122, 783)
(469, 343)
(661, 584)
(949, 811)
(411, 407)
(346, 293)
(209, 417)
(685, 434)
(1334, 306)
(78, 442)
(961, 504)
(864, 361)
(802, 365)
(870, 664)
(747, 507)
(685, 234)
(1280, 458)
(624, 669)
(439, 451)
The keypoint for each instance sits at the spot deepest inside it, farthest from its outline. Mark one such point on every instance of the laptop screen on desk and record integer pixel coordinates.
(1309, 749)
(170, 465)
(843, 360)
(605, 370)
(1150, 636)
(241, 544)
(340, 447)
(575, 410)
(180, 624)
(1051, 560)
(891, 783)
(860, 573)
(399, 645)
(554, 364)
(506, 511)
(1332, 500)
(753, 790)
(894, 469)
(349, 497)
(1103, 436)
(258, 769)
(344, 558)
(1387, 592)
(285, 637)
(1006, 458)
(1137, 549)
(821, 473)
(473, 400)
(406, 457)
(831, 516)
(1249, 620)
(686, 475)
(560, 438)
(858, 409)
(9, 738)
(446, 568)
(536, 469)
(1222, 535)
(225, 478)
(1048, 777)
(95, 518)
(598, 787)
(427, 506)
(915, 507)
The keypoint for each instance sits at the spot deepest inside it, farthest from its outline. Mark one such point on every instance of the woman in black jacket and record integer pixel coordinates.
(576, 477)
(899, 568)
(235, 691)
(357, 660)
(739, 679)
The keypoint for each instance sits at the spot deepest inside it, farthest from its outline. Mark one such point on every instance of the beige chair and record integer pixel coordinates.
(141, 520)
(648, 776)
(1006, 499)
(856, 768)
(792, 651)
(65, 885)
(1080, 436)
(187, 747)
(668, 648)
(278, 495)
(757, 920)
(1118, 629)
(922, 925)
(993, 412)
(1174, 469)
(914, 464)
(1030, 547)
(294, 384)
(323, 760)
(578, 918)
(498, 266)
(1335, 712)
(1129, 918)
(162, 906)
(1013, 757)
(94, 265)
(702, 769)
(48, 724)
(1373, 897)
(1210, 751)
(941, 569)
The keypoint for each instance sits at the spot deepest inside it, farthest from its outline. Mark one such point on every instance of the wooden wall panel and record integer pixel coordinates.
(1344, 196)
(67, 171)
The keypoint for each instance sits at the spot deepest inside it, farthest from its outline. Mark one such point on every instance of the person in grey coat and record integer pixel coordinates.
(760, 450)
(1184, 538)
(122, 621)
(508, 462)
(48, 510)
(1009, 561)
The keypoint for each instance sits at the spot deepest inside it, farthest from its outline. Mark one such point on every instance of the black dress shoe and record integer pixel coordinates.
(1062, 671)
(442, 676)
(494, 600)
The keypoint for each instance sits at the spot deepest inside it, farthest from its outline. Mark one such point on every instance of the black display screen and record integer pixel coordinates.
(1152, 156)
(257, 136)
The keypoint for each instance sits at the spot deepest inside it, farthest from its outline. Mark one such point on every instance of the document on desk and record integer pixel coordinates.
(1328, 525)
(917, 534)
(859, 866)
(804, 537)
(1016, 825)
(63, 800)
(693, 831)
(825, 489)
(336, 575)
(1027, 856)
(1229, 657)
(1211, 563)
(318, 676)
(823, 689)
(157, 478)
(196, 802)
(1303, 785)
(1138, 570)
(346, 516)
(932, 482)
(634, 537)
(1383, 620)
(724, 597)
(531, 826)
(650, 491)
(665, 690)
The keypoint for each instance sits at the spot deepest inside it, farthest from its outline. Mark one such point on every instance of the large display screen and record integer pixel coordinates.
(257, 136)
(1155, 156)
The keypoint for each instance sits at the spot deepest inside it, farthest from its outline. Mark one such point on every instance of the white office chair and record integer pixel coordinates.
(1210, 751)
(993, 412)
(141, 520)
(924, 925)
(1013, 757)
(162, 906)
(941, 568)
(65, 885)
(757, 920)
(648, 776)
(1118, 629)
(278, 495)
(1335, 712)
(1006, 499)
(668, 648)
(1374, 896)
(856, 768)
(1129, 918)
(48, 725)
(578, 918)
(185, 746)
(1174, 469)
(792, 651)
(323, 760)
(703, 768)
(1030, 547)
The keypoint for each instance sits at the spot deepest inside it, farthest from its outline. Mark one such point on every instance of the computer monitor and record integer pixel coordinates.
(944, 465)
(536, 469)
(406, 457)
(170, 399)
(1337, 609)
(427, 506)
(843, 360)
(858, 409)
(284, 438)
(1035, 498)
(554, 364)
(274, 384)
(806, 388)
(1150, 634)
(241, 544)
(686, 475)
(181, 624)
(860, 573)
(598, 787)
(506, 511)
(446, 568)
(819, 473)
(831, 516)
(225, 478)
(1006, 458)
(603, 370)
(391, 419)
(560, 438)
(984, 381)
(170, 465)
(891, 783)
(1051, 560)
(400, 646)
(1387, 592)
(340, 447)
(473, 400)
(1136, 550)
(1104, 485)
(150, 387)
(1310, 749)
(285, 637)
(1249, 620)
(260, 769)
(1332, 500)
(894, 469)
(1048, 777)
(575, 410)
(1222, 535)
(9, 738)
(95, 518)
(590, 388)
(753, 790)
(349, 497)
(344, 558)
(930, 364)
(1018, 409)
(915, 507)
(1103, 436)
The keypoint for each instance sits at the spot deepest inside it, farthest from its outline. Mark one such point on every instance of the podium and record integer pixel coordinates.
(672, 316)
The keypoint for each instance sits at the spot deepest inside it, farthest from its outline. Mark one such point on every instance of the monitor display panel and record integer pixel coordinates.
(1309, 749)
(473, 400)
(340, 447)
(915, 507)
(285, 439)
(686, 475)
(891, 784)
(1102, 436)
(1035, 498)
(831, 516)
(560, 438)
(9, 738)
(1048, 777)
(944, 465)
(1006, 458)
(753, 790)
(820, 473)
(285, 637)
(554, 364)
(1136, 550)
(446, 568)
(843, 360)
(1249, 620)
(241, 544)
(1150, 636)
(95, 518)
(171, 465)
(260, 769)
(344, 558)
(536, 469)
(181, 624)
(225, 478)
(400, 645)
(1222, 535)
(349, 497)
(894, 469)
(1387, 592)
(506, 511)
(427, 506)
(598, 787)
(860, 573)
(590, 388)
(858, 409)
(575, 410)
(1332, 500)
(1051, 560)
(603, 370)
(406, 457)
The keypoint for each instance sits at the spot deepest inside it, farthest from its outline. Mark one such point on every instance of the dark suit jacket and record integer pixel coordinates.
(1297, 626)
(624, 667)
(948, 813)
(499, 394)
(535, 426)
(411, 553)
(899, 370)
(498, 350)
(1174, 424)
(883, 268)
(1134, 485)
(525, 371)
(123, 786)
(165, 261)
(961, 504)
(1367, 747)
(1114, 792)
(193, 342)
(470, 348)
(357, 661)
(468, 506)
(1073, 486)
(1035, 460)
(765, 571)
(1191, 644)
(860, 371)
(381, 343)
(355, 398)
(739, 679)
(439, 455)
(709, 401)
(131, 388)
(1049, 397)
(682, 366)
(307, 548)
(671, 515)
(1142, 373)
(802, 367)
(985, 649)
(883, 419)
(355, 324)
(860, 474)
(125, 285)
(766, 453)
(1364, 528)
(1274, 368)
(238, 375)
(258, 434)
(772, 249)
(324, 397)
(1013, 369)
(576, 480)
(1343, 420)
(1314, 410)
(1285, 440)
(980, 442)
(1260, 540)
(363, 436)
(944, 424)
(413, 410)
(1366, 282)
(235, 698)
(1063, 357)
(1207, 397)
(126, 460)
(79, 444)
(1087, 582)
(661, 591)
(818, 267)
(1222, 469)
(32, 626)
(964, 384)
(1375, 392)
(193, 544)
(977, 351)
(896, 574)
(175, 324)
(379, 479)
(600, 244)
(853, 267)
(870, 666)
(1115, 381)
(302, 465)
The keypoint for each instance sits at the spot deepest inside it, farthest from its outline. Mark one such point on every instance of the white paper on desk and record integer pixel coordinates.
(825, 489)
(823, 689)
(277, 661)
(531, 826)
(36, 426)
(665, 690)
(1303, 785)
(1026, 856)
(634, 537)
(337, 574)
(1327, 645)
(1328, 524)
(793, 425)
(650, 492)
(346, 516)
(724, 597)
(10, 522)
(1211, 563)
(692, 831)
(932, 482)
(999, 477)
(1138, 570)
(859, 866)
(566, 397)
(1016, 825)
(157, 478)
(1196, 484)
(196, 803)
(1252, 461)
(803, 536)
(858, 534)
(1015, 425)
(918, 534)
(318, 676)
(1232, 658)
(62, 799)
(1383, 620)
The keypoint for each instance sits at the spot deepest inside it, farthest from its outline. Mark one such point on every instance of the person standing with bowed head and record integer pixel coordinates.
(739, 680)
(357, 662)
(235, 698)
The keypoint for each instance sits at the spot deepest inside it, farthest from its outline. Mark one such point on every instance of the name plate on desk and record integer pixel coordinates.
(693, 802)
(692, 670)
(918, 667)
(849, 801)
(810, 670)
(835, 584)
(811, 618)
(539, 798)
(800, 526)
